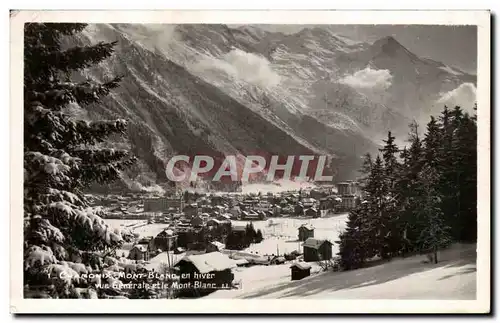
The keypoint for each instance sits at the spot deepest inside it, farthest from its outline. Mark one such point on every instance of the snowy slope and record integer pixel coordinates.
(454, 277)
(281, 234)
(189, 89)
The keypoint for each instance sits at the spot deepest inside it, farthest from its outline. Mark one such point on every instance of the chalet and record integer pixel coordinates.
(224, 217)
(166, 240)
(331, 202)
(276, 209)
(239, 230)
(306, 231)
(162, 204)
(219, 209)
(197, 221)
(349, 202)
(299, 209)
(217, 200)
(139, 252)
(317, 250)
(215, 246)
(308, 202)
(348, 188)
(207, 209)
(235, 212)
(317, 194)
(312, 212)
(191, 210)
(261, 215)
(148, 242)
(213, 223)
(344, 188)
(263, 206)
(278, 260)
(203, 274)
(300, 270)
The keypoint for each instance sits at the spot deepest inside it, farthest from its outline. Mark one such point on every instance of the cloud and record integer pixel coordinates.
(248, 67)
(369, 79)
(464, 96)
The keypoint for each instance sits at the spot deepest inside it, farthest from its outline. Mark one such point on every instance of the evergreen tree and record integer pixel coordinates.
(389, 153)
(449, 122)
(376, 220)
(432, 145)
(258, 236)
(435, 234)
(392, 174)
(465, 166)
(407, 185)
(352, 242)
(62, 157)
(366, 168)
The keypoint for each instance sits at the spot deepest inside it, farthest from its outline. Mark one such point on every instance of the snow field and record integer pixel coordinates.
(454, 277)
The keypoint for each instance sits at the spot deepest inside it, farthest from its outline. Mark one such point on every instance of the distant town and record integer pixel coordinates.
(188, 224)
(192, 208)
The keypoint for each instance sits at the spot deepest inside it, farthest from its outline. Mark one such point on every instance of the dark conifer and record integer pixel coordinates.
(62, 157)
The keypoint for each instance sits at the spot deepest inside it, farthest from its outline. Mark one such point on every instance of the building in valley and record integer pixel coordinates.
(306, 231)
(205, 273)
(317, 250)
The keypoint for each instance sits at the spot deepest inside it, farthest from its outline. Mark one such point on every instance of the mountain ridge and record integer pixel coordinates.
(186, 84)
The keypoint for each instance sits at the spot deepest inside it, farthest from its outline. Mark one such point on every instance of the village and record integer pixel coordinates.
(223, 233)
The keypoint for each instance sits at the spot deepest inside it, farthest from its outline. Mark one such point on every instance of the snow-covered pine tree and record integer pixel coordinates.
(63, 237)
(392, 173)
(366, 168)
(352, 242)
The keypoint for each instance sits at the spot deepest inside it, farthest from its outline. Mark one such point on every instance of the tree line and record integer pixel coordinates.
(418, 198)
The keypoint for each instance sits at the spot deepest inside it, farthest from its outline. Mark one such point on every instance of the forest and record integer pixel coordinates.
(418, 198)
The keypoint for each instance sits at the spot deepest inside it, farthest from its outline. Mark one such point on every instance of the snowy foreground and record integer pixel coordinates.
(454, 277)
(281, 234)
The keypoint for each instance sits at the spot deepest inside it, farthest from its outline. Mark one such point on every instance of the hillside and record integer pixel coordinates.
(212, 89)
(454, 277)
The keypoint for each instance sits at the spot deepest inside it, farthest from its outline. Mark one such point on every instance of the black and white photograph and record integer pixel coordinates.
(215, 161)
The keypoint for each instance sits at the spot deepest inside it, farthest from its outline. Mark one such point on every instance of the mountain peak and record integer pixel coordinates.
(387, 41)
(390, 46)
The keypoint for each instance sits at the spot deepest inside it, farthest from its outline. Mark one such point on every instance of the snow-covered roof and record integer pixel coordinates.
(241, 261)
(239, 228)
(307, 226)
(208, 262)
(141, 247)
(169, 232)
(314, 243)
(218, 244)
(301, 265)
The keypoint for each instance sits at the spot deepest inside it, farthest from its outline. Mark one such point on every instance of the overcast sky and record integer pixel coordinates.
(452, 45)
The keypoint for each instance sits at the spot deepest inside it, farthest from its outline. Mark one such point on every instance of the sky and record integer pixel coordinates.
(452, 45)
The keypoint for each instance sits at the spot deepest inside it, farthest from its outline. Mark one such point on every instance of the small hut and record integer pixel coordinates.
(300, 270)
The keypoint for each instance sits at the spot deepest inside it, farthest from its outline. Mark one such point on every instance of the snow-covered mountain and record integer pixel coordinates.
(191, 89)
